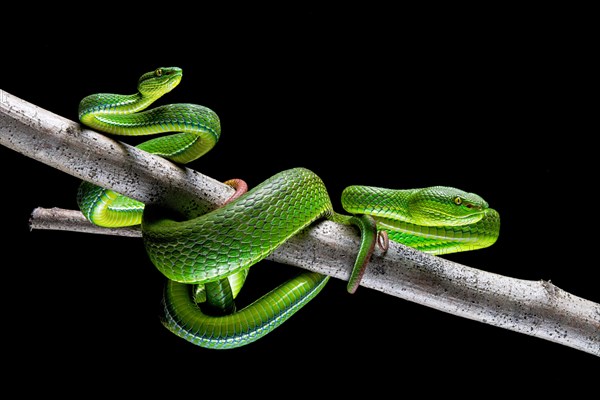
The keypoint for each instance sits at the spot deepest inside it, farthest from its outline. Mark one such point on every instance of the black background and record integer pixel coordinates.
(494, 104)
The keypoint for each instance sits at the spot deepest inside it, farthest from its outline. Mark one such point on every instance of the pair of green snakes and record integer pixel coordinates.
(207, 258)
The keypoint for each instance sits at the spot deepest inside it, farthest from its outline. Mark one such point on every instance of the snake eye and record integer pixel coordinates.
(457, 201)
(158, 72)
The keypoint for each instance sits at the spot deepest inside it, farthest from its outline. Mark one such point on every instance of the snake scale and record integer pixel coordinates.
(206, 258)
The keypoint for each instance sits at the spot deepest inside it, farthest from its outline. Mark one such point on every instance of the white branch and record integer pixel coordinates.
(535, 308)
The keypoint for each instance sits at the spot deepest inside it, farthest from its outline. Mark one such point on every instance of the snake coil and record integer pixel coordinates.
(206, 258)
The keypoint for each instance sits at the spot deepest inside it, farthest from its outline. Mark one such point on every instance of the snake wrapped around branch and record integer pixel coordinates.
(206, 258)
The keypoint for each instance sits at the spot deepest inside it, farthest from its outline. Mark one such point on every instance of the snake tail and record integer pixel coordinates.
(368, 238)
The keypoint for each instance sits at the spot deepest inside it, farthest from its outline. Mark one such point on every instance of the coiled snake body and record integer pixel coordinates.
(206, 258)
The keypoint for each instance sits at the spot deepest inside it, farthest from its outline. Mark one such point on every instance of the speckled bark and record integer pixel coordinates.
(88, 155)
(535, 308)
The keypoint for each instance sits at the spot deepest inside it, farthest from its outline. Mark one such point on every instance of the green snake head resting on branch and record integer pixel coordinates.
(207, 258)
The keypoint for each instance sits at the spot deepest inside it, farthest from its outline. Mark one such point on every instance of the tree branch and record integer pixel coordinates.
(536, 308)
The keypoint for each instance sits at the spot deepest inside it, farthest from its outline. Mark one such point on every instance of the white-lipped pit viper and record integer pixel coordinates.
(206, 258)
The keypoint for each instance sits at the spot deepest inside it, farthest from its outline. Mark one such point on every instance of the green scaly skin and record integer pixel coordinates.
(198, 130)
(215, 284)
(206, 258)
(436, 220)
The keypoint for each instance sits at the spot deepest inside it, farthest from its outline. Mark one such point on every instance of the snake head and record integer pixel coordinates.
(160, 81)
(442, 205)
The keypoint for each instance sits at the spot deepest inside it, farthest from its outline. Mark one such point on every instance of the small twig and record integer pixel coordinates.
(535, 308)
(59, 219)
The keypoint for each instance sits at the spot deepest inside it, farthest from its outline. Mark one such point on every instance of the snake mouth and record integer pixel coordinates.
(446, 217)
(174, 80)
(173, 76)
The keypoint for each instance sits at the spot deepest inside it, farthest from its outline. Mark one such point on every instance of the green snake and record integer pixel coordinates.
(206, 258)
